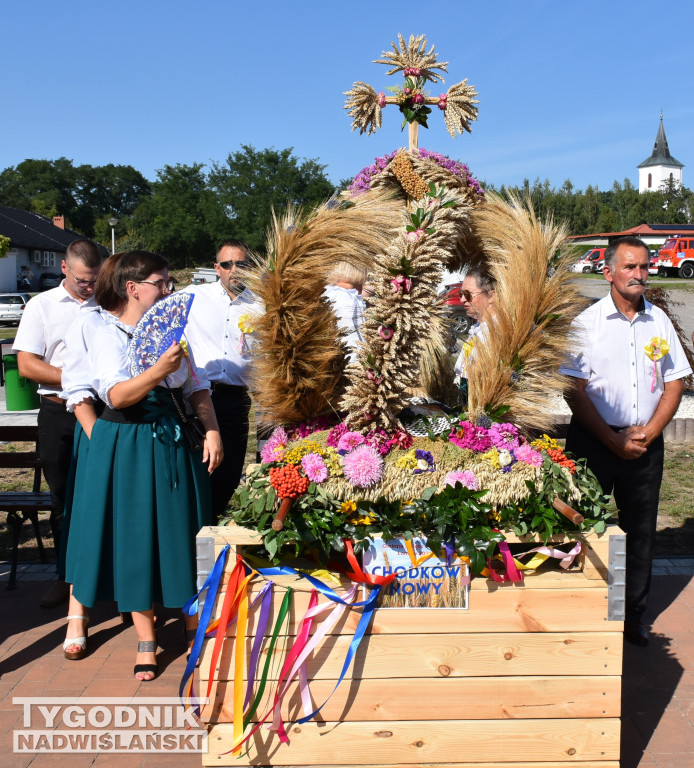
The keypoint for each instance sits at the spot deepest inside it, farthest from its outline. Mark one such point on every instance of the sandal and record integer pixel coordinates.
(146, 646)
(80, 642)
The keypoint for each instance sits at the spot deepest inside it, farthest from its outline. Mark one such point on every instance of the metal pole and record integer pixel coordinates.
(113, 240)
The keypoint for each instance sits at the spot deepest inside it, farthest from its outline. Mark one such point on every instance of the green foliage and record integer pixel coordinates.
(252, 183)
(4, 246)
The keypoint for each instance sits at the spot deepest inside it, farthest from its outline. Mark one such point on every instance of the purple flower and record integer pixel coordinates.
(466, 478)
(363, 467)
(504, 436)
(528, 455)
(425, 462)
(314, 467)
(349, 441)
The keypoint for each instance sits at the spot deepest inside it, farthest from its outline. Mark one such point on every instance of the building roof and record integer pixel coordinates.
(31, 230)
(661, 152)
(662, 230)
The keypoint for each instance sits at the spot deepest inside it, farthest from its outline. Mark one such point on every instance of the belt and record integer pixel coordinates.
(218, 386)
(54, 399)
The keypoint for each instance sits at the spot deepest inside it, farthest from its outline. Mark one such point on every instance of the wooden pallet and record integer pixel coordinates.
(529, 675)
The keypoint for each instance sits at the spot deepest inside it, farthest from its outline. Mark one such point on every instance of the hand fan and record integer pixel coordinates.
(161, 325)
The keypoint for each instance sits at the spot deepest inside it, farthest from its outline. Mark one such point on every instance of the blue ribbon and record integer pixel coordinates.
(285, 570)
(211, 585)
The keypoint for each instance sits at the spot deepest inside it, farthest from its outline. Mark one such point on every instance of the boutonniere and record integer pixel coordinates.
(467, 347)
(656, 349)
(245, 325)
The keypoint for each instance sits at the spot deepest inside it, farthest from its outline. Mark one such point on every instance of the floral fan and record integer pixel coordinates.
(161, 325)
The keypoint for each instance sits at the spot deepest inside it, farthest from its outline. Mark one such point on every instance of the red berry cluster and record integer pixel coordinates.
(559, 457)
(288, 482)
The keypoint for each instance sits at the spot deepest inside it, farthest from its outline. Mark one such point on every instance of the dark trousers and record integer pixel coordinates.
(232, 406)
(636, 487)
(56, 428)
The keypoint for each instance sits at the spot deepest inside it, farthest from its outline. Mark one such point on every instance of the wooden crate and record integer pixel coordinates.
(529, 675)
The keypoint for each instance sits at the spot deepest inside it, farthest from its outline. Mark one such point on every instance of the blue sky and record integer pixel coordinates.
(566, 90)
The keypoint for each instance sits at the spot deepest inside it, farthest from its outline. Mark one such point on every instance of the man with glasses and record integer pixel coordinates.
(40, 355)
(219, 330)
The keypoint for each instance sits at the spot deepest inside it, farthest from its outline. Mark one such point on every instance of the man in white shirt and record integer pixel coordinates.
(628, 366)
(219, 331)
(40, 356)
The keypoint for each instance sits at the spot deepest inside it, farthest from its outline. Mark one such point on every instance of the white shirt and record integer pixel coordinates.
(213, 332)
(349, 308)
(108, 362)
(609, 351)
(45, 320)
(467, 351)
(78, 340)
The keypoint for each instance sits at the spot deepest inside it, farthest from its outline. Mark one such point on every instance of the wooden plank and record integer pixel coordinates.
(503, 610)
(488, 698)
(453, 655)
(574, 741)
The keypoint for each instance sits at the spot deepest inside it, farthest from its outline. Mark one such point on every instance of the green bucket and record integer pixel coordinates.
(20, 393)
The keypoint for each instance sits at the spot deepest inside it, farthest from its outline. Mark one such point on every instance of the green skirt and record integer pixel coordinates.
(140, 498)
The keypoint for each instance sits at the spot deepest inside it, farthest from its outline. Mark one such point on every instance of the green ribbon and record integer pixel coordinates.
(159, 411)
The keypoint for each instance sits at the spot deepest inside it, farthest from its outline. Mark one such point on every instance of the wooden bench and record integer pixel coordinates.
(22, 505)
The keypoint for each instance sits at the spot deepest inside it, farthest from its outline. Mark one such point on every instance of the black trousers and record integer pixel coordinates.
(56, 428)
(636, 487)
(232, 406)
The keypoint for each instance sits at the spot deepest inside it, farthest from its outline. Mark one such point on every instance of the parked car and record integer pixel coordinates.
(49, 280)
(592, 261)
(12, 308)
(450, 297)
(653, 263)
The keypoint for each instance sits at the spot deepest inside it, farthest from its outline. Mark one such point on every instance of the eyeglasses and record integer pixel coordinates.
(83, 283)
(237, 264)
(163, 285)
(468, 296)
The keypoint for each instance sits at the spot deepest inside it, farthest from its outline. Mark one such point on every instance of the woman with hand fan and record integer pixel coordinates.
(141, 494)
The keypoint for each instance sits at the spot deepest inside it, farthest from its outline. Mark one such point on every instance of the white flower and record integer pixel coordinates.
(505, 458)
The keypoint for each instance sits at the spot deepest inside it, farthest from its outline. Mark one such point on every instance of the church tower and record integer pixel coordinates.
(660, 166)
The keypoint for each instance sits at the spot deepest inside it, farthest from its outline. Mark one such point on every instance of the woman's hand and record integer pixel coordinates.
(212, 451)
(169, 362)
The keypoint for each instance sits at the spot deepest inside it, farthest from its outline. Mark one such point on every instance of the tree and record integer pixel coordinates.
(183, 219)
(252, 183)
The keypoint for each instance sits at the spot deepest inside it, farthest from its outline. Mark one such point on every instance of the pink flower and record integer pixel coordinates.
(528, 455)
(413, 235)
(275, 448)
(402, 440)
(385, 332)
(363, 467)
(418, 98)
(401, 283)
(407, 91)
(466, 478)
(378, 439)
(314, 467)
(335, 434)
(504, 436)
(442, 104)
(381, 99)
(350, 440)
(467, 435)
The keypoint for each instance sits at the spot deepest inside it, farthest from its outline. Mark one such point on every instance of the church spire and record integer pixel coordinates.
(661, 152)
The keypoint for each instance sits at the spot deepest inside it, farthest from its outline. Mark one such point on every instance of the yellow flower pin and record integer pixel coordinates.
(656, 349)
(246, 324)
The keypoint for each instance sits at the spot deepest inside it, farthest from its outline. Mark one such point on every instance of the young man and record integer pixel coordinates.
(628, 364)
(40, 353)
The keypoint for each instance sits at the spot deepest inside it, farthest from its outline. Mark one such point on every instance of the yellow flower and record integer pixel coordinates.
(246, 324)
(348, 507)
(408, 461)
(332, 460)
(492, 456)
(299, 451)
(545, 443)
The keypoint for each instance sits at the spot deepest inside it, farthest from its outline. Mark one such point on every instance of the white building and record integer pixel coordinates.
(660, 167)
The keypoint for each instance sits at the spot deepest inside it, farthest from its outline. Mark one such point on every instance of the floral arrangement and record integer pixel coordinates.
(459, 488)
(362, 181)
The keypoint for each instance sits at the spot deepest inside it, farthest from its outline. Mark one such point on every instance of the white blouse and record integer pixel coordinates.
(106, 362)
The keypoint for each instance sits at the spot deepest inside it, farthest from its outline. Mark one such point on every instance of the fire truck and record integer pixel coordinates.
(676, 257)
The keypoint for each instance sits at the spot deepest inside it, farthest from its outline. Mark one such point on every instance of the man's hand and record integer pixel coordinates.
(629, 443)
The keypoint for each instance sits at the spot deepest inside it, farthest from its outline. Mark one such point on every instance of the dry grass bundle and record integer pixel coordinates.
(517, 365)
(298, 367)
